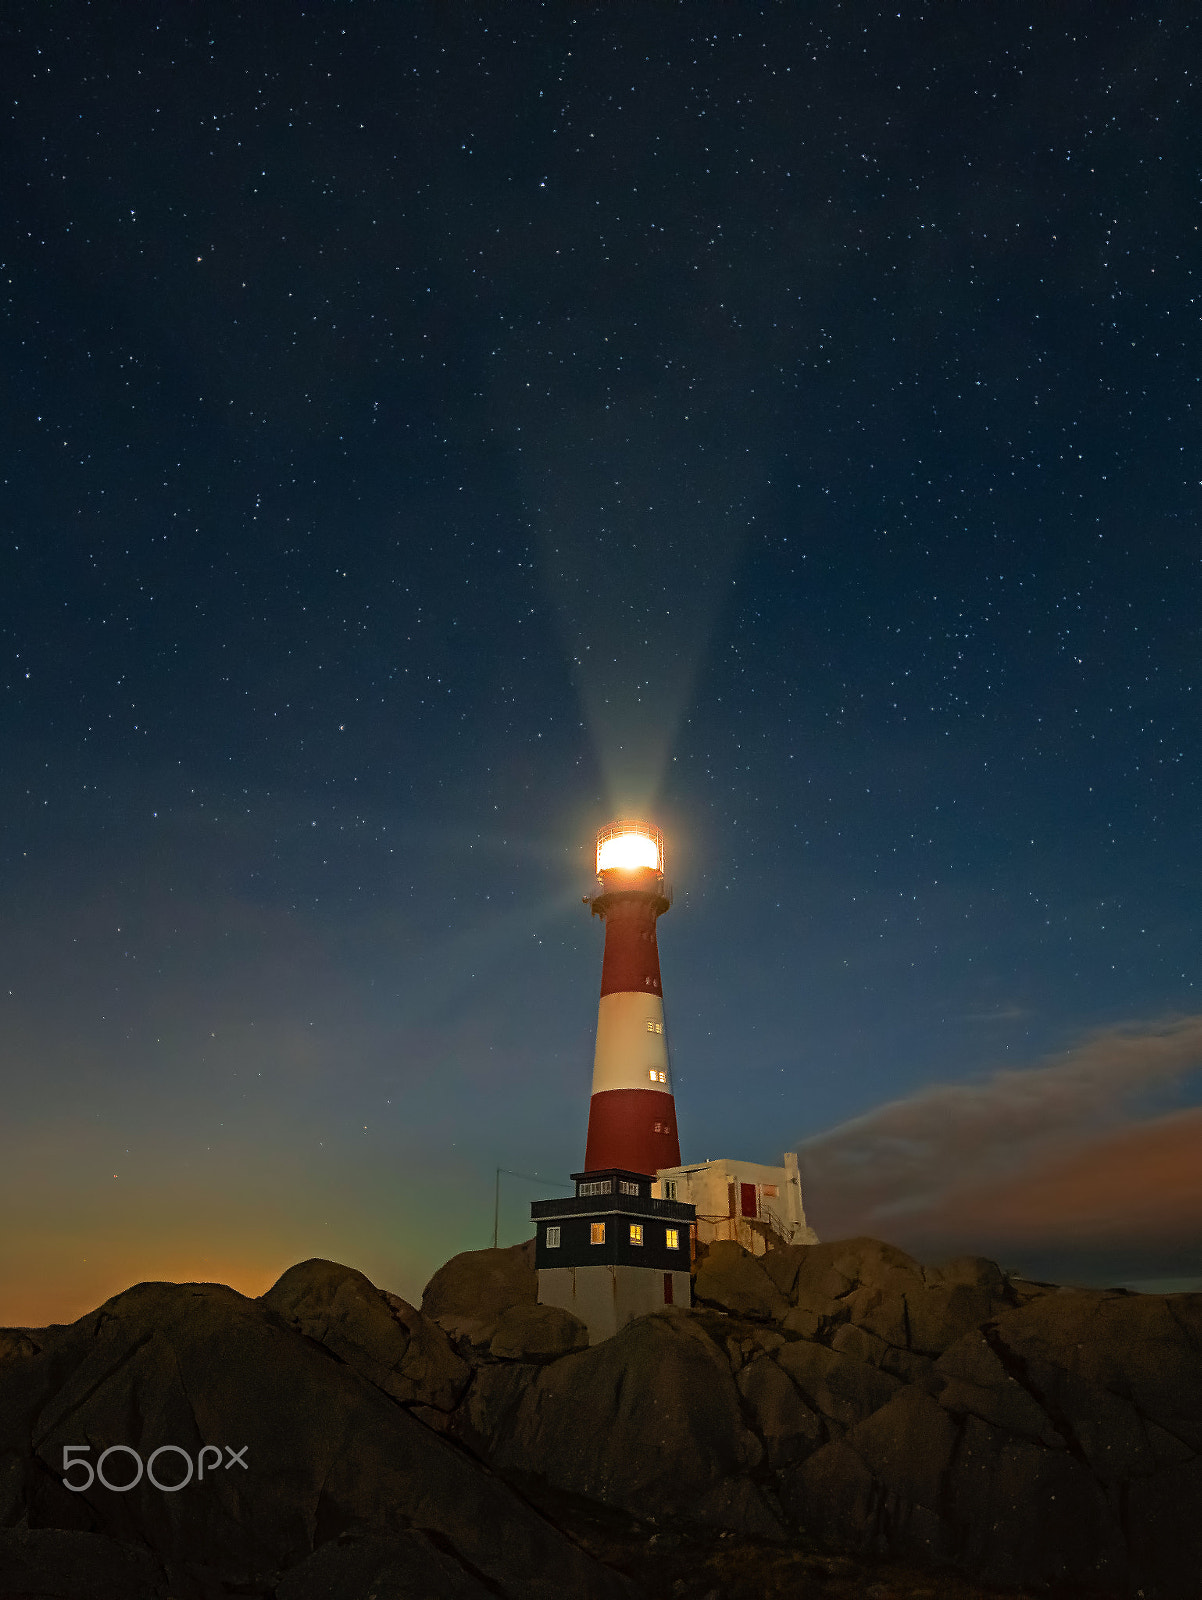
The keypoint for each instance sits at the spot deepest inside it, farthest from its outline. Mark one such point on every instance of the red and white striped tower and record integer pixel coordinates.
(632, 1115)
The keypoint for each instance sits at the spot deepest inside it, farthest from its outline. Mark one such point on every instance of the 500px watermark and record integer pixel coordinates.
(209, 1455)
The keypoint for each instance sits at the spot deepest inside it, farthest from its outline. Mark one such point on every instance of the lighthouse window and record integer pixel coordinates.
(655, 1027)
(597, 1233)
(672, 1238)
(636, 1233)
(552, 1238)
(662, 1077)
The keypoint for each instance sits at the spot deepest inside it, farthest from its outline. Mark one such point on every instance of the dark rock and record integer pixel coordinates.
(491, 1401)
(735, 1281)
(976, 1271)
(537, 1333)
(326, 1450)
(817, 1282)
(840, 1387)
(1166, 1530)
(16, 1344)
(1145, 1348)
(787, 1426)
(782, 1266)
(835, 1498)
(401, 1566)
(974, 1382)
(1031, 1516)
(871, 1263)
(940, 1314)
(647, 1419)
(910, 1368)
(468, 1295)
(850, 1340)
(882, 1311)
(806, 1322)
(907, 1445)
(53, 1564)
(380, 1335)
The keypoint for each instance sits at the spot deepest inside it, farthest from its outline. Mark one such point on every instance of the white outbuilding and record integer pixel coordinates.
(759, 1207)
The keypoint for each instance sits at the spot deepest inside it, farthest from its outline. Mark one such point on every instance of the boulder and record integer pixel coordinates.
(976, 1271)
(908, 1446)
(786, 1425)
(849, 1340)
(834, 1497)
(490, 1402)
(648, 1420)
(1031, 1517)
(804, 1323)
(735, 1281)
(380, 1335)
(1166, 1530)
(537, 1333)
(398, 1566)
(973, 1382)
(941, 1313)
(325, 1451)
(467, 1296)
(54, 1564)
(782, 1266)
(1145, 1348)
(871, 1263)
(840, 1387)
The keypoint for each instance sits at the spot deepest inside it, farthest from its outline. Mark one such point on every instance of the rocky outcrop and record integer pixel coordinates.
(468, 1296)
(1026, 1435)
(382, 1337)
(649, 1418)
(328, 1452)
(537, 1333)
(948, 1416)
(732, 1280)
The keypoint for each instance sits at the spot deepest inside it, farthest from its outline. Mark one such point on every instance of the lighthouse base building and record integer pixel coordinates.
(613, 1251)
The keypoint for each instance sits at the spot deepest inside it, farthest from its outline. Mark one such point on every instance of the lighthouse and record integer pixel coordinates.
(618, 1249)
(632, 1113)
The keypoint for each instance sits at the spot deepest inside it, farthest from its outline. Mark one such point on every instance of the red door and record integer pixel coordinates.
(747, 1200)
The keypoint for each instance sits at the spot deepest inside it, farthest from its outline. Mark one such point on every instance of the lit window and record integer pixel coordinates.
(663, 1077)
(597, 1233)
(651, 1074)
(627, 1186)
(659, 1127)
(636, 1233)
(672, 1239)
(552, 1238)
(655, 1027)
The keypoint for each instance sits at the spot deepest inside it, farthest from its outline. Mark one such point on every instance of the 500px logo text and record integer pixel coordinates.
(208, 1456)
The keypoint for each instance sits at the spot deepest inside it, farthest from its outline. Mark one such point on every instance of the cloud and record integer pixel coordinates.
(1056, 1157)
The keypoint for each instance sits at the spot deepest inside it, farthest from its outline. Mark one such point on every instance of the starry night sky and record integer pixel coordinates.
(430, 431)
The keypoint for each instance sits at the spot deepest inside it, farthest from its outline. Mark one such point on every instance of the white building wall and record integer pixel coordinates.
(606, 1298)
(779, 1210)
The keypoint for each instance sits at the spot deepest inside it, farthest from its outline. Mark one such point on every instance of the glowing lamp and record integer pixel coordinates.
(630, 846)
